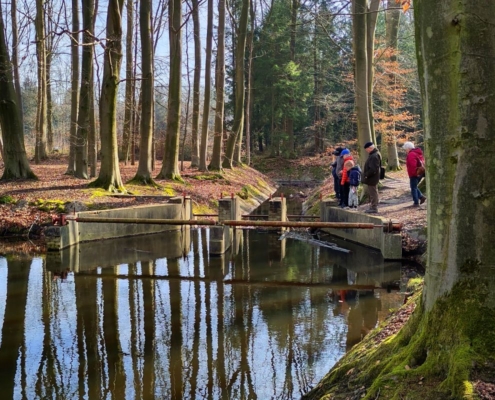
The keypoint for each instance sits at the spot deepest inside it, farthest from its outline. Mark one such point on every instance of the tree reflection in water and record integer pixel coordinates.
(158, 317)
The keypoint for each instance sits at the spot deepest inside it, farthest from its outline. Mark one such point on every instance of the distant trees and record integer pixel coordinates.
(283, 74)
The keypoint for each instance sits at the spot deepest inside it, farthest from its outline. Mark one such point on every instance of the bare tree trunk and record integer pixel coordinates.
(109, 177)
(143, 174)
(196, 83)
(392, 29)
(170, 167)
(74, 96)
(289, 120)
(83, 120)
(92, 142)
(15, 158)
(239, 87)
(203, 154)
(216, 156)
(371, 17)
(41, 113)
(129, 85)
(359, 44)
(49, 102)
(15, 58)
(249, 79)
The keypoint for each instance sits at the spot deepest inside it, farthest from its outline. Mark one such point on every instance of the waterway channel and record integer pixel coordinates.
(156, 317)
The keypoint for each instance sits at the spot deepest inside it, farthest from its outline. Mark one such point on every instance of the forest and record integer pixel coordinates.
(109, 82)
(215, 83)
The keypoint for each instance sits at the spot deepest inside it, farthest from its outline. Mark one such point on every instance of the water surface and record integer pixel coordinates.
(157, 317)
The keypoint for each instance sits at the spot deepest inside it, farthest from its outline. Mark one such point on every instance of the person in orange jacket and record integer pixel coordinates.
(348, 163)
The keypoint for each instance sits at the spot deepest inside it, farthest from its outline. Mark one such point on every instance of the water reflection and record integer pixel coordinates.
(157, 317)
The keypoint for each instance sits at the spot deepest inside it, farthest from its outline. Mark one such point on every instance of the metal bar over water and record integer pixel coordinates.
(389, 227)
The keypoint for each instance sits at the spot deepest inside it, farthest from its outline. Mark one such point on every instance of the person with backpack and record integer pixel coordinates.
(415, 163)
(354, 181)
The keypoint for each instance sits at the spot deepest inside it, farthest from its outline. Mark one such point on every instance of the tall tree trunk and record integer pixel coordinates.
(41, 113)
(109, 177)
(371, 17)
(49, 103)
(129, 85)
(249, 80)
(14, 152)
(216, 156)
(15, 58)
(196, 84)
(206, 103)
(74, 95)
(290, 120)
(170, 167)
(92, 142)
(391, 37)
(239, 86)
(359, 44)
(144, 168)
(83, 120)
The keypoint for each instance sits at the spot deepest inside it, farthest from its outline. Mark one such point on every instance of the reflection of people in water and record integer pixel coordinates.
(370, 305)
(361, 309)
(61, 274)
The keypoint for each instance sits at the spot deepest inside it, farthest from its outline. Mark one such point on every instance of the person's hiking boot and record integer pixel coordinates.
(371, 211)
(422, 200)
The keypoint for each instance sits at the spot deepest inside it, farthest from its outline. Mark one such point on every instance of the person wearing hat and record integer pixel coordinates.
(336, 179)
(414, 160)
(371, 175)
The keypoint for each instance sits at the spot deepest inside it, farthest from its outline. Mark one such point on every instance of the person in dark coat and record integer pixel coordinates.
(414, 160)
(336, 179)
(354, 181)
(371, 175)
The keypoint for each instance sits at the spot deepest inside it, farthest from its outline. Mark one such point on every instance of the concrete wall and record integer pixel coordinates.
(80, 232)
(390, 244)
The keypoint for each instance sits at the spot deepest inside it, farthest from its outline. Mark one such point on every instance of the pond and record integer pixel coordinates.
(157, 317)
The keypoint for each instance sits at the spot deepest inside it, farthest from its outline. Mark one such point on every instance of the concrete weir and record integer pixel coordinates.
(390, 244)
(60, 237)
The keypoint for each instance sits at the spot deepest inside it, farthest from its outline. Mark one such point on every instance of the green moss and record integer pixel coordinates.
(248, 191)
(50, 205)
(168, 191)
(208, 177)
(6, 199)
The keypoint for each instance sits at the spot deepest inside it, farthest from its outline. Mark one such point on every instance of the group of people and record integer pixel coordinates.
(347, 175)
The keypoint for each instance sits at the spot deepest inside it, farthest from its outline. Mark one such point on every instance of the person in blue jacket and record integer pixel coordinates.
(354, 181)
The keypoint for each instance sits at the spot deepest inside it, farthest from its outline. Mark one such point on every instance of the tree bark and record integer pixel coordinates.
(371, 17)
(207, 98)
(170, 167)
(145, 157)
(129, 85)
(359, 45)
(239, 87)
(74, 95)
(14, 152)
(216, 156)
(41, 113)
(83, 120)
(196, 84)
(391, 37)
(109, 177)
(249, 80)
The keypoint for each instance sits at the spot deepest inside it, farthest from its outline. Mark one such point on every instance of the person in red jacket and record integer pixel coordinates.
(414, 160)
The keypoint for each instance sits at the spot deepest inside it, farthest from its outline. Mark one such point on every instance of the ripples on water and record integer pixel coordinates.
(157, 317)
